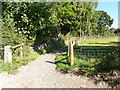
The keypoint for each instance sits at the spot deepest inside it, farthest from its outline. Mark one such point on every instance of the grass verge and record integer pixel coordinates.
(86, 65)
(17, 62)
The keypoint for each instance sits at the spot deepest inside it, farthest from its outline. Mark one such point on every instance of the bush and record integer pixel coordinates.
(74, 33)
(11, 37)
(62, 62)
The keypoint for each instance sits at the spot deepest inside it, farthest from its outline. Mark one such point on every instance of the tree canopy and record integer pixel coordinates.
(42, 22)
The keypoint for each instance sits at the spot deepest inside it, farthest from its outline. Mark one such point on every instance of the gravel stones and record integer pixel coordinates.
(41, 73)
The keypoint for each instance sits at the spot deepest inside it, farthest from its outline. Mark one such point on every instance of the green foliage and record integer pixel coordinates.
(42, 51)
(110, 61)
(10, 37)
(74, 33)
(104, 19)
(75, 16)
(103, 61)
(104, 22)
(17, 62)
(25, 50)
(62, 62)
(41, 23)
(117, 31)
(47, 23)
(55, 44)
(87, 65)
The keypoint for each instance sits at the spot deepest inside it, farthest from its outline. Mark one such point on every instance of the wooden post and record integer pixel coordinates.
(71, 54)
(8, 54)
(68, 50)
(21, 52)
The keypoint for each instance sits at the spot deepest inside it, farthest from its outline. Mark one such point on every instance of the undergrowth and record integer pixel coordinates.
(17, 62)
(63, 64)
(87, 66)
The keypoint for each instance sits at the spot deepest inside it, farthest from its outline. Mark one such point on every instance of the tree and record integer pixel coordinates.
(10, 36)
(75, 16)
(117, 31)
(112, 29)
(41, 23)
(33, 20)
(104, 22)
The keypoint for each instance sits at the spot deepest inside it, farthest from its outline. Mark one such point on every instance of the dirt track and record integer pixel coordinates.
(40, 73)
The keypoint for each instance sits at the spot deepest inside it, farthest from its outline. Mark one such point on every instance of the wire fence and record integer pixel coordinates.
(94, 52)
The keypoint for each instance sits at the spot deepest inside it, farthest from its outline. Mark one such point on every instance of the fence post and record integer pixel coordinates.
(71, 54)
(21, 52)
(8, 54)
(68, 50)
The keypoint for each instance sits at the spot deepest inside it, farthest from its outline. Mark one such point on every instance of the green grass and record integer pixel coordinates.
(106, 62)
(63, 64)
(62, 61)
(17, 62)
(101, 41)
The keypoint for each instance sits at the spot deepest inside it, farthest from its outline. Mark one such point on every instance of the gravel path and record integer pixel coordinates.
(40, 73)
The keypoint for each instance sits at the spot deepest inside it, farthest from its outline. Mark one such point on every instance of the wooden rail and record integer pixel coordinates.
(17, 46)
(8, 52)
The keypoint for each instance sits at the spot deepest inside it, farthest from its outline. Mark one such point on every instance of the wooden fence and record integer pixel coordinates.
(8, 52)
(96, 52)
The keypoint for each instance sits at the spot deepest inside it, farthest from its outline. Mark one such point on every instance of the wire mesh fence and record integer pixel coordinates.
(94, 52)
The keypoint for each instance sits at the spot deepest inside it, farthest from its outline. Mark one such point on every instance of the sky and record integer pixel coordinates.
(111, 7)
